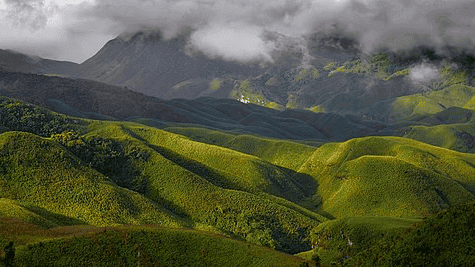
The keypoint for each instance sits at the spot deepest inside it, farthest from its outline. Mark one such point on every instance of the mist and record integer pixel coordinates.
(233, 29)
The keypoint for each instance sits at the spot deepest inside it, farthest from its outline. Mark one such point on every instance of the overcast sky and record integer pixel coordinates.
(74, 30)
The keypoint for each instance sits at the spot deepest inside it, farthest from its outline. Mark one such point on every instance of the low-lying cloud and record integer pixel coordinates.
(424, 73)
(232, 29)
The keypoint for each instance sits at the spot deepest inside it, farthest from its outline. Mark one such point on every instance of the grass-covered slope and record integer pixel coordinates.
(390, 176)
(236, 193)
(116, 173)
(57, 170)
(133, 245)
(42, 175)
(452, 128)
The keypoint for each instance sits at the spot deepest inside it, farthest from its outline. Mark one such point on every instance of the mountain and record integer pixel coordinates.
(316, 72)
(18, 62)
(147, 63)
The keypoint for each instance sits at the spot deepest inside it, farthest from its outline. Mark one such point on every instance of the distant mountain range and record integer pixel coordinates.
(319, 73)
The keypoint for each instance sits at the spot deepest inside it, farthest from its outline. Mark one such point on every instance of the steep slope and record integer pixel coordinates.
(149, 64)
(336, 240)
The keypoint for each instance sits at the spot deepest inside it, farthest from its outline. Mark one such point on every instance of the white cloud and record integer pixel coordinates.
(232, 42)
(424, 73)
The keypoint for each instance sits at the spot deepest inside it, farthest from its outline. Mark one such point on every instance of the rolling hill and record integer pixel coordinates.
(59, 171)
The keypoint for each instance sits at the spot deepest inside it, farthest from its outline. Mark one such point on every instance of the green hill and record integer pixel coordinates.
(60, 172)
(389, 176)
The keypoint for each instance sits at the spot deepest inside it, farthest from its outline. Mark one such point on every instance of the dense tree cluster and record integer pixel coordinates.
(108, 157)
(19, 116)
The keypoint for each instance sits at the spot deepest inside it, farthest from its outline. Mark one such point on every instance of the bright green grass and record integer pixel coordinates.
(389, 176)
(216, 186)
(446, 136)
(143, 246)
(457, 95)
(39, 173)
(287, 154)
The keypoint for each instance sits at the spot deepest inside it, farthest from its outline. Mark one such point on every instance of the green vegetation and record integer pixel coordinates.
(307, 73)
(246, 94)
(139, 245)
(61, 178)
(330, 66)
(357, 177)
(316, 109)
(443, 240)
(20, 116)
(378, 66)
(216, 84)
(336, 240)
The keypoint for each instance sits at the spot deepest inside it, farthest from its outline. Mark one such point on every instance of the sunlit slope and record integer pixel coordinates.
(285, 153)
(434, 101)
(214, 187)
(45, 178)
(132, 245)
(452, 128)
(452, 88)
(390, 176)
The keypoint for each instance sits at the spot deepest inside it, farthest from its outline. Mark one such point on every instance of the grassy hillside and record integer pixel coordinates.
(60, 171)
(135, 245)
(42, 176)
(389, 176)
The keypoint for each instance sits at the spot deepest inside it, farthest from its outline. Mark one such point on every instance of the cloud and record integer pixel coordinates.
(52, 29)
(424, 73)
(235, 42)
(232, 29)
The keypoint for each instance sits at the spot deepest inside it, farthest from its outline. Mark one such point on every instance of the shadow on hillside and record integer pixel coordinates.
(295, 187)
(211, 175)
(287, 183)
(56, 218)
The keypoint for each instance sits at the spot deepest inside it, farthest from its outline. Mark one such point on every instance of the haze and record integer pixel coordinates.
(232, 29)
